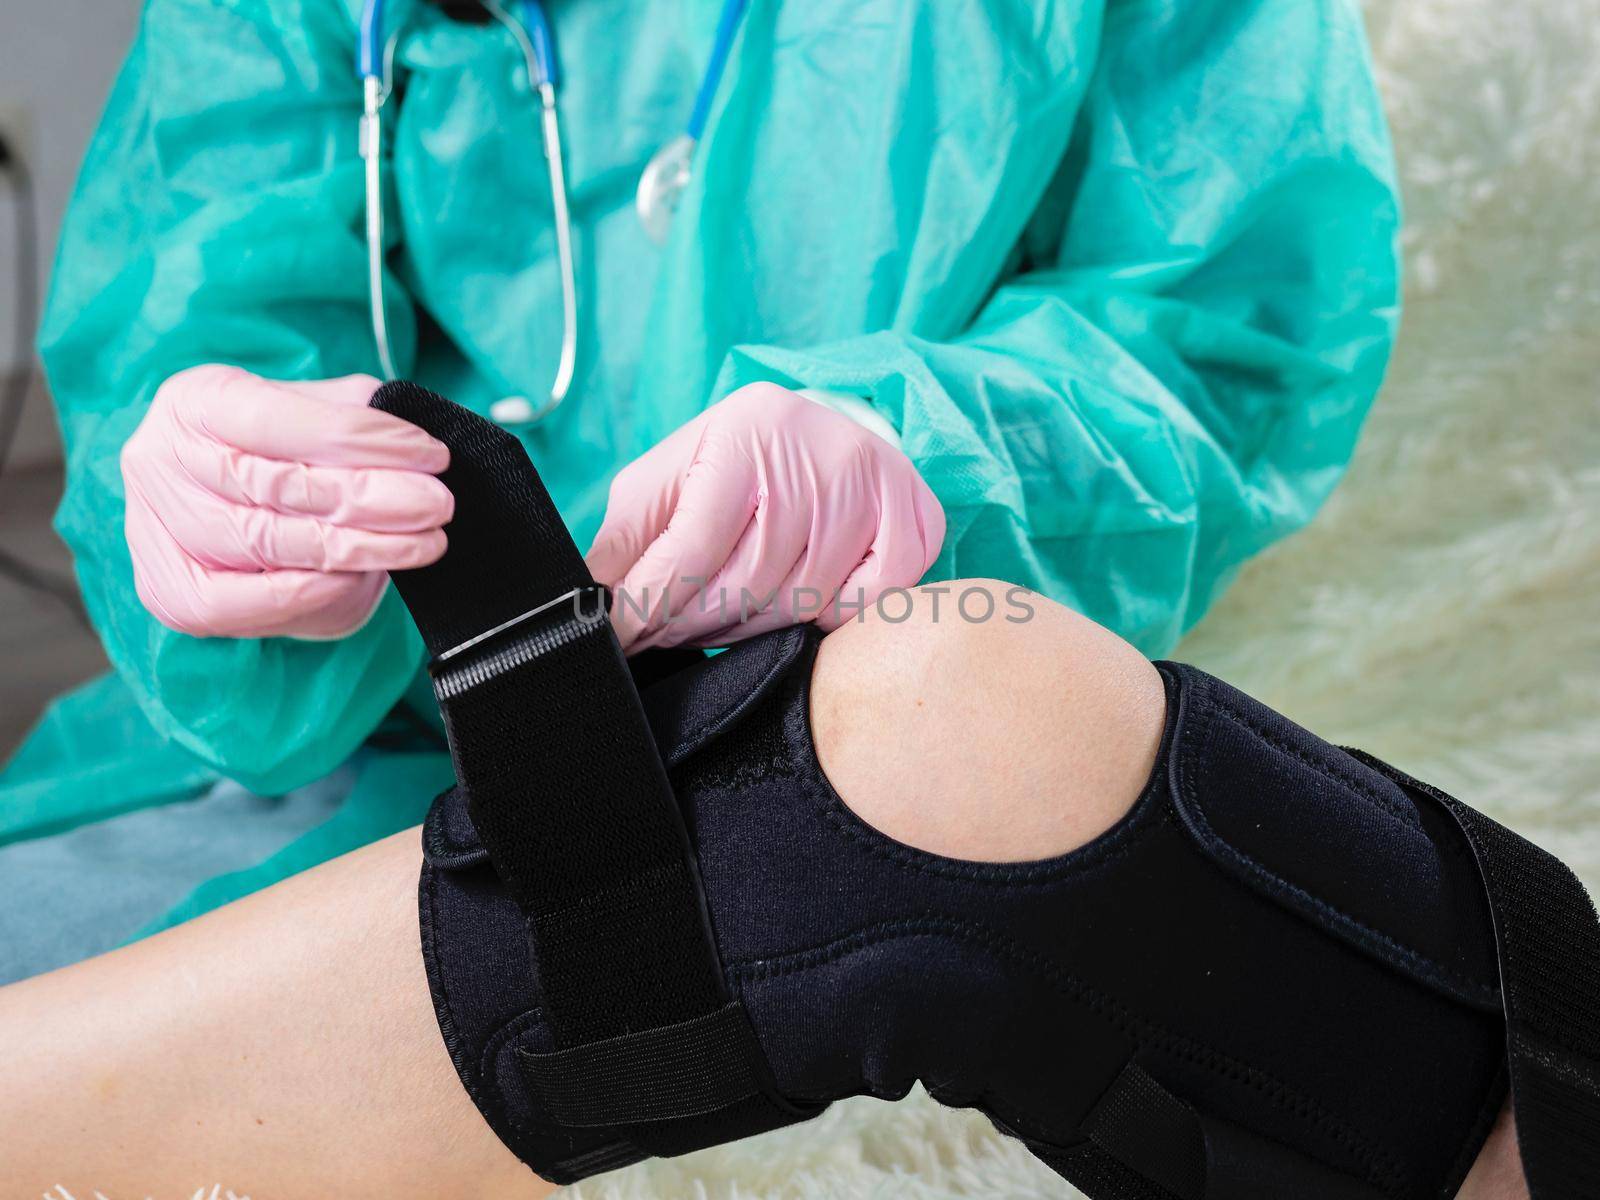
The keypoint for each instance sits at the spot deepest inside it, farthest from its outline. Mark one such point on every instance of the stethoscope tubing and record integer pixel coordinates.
(533, 37)
(721, 48)
(372, 155)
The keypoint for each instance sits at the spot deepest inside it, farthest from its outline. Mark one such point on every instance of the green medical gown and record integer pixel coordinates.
(1121, 273)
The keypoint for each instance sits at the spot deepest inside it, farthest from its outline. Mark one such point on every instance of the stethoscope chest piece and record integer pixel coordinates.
(662, 184)
(519, 410)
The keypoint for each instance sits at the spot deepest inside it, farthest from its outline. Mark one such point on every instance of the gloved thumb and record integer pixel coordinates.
(615, 550)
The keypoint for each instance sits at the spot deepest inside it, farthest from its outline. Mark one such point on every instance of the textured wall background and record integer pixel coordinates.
(57, 61)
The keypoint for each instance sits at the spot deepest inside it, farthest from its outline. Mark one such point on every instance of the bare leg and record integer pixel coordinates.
(287, 1045)
(284, 1045)
(1497, 1175)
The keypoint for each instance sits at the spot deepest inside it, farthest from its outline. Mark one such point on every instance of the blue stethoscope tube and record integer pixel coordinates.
(659, 187)
(721, 47)
(544, 51)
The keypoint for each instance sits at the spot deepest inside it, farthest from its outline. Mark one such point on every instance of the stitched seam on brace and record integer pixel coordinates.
(1425, 966)
(452, 1035)
(1383, 1170)
(511, 1030)
(688, 1069)
(1458, 847)
(1510, 957)
(1326, 770)
(1121, 839)
(907, 858)
(698, 737)
(476, 1089)
(484, 1080)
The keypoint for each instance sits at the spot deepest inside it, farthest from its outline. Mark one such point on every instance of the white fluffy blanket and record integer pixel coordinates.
(1444, 611)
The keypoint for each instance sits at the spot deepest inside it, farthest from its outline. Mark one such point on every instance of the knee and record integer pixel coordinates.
(1005, 739)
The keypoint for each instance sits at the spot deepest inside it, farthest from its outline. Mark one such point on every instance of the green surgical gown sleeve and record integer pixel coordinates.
(1168, 373)
(218, 218)
(1174, 371)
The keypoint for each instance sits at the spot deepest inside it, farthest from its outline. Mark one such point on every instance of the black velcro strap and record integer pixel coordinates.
(1098, 1174)
(509, 549)
(682, 1070)
(1179, 1153)
(570, 800)
(1549, 945)
(1148, 1129)
(568, 795)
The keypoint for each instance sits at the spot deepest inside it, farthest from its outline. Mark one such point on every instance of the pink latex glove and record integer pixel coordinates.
(766, 491)
(257, 508)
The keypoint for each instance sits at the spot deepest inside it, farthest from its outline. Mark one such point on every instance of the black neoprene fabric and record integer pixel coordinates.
(650, 924)
(1549, 945)
(590, 847)
(1358, 1061)
(507, 540)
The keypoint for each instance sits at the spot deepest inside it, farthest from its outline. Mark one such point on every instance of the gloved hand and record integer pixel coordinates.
(767, 506)
(260, 508)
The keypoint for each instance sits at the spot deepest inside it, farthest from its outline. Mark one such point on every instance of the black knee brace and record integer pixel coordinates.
(649, 926)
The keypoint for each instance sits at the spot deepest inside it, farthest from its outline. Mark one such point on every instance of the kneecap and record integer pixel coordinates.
(999, 729)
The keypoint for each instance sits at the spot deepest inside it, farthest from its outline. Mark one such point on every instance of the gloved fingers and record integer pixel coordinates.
(616, 547)
(380, 499)
(314, 605)
(930, 521)
(350, 610)
(257, 539)
(716, 501)
(167, 506)
(897, 558)
(189, 597)
(803, 593)
(317, 423)
(353, 390)
(748, 582)
(642, 499)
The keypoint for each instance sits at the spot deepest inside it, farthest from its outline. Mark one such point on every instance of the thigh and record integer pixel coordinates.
(285, 1045)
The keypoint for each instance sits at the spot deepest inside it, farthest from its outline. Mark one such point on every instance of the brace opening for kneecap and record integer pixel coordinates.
(651, 925)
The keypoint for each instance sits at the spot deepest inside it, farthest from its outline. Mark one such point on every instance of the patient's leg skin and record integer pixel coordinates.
(1497, 1175)
(286, 1044)
(995, 740)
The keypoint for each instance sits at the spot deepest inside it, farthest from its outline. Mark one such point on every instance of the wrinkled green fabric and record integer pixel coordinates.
(1122, 274)
(391, 792)
(93, 756)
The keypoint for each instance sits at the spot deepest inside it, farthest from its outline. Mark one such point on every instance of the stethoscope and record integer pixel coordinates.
(661, 184)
